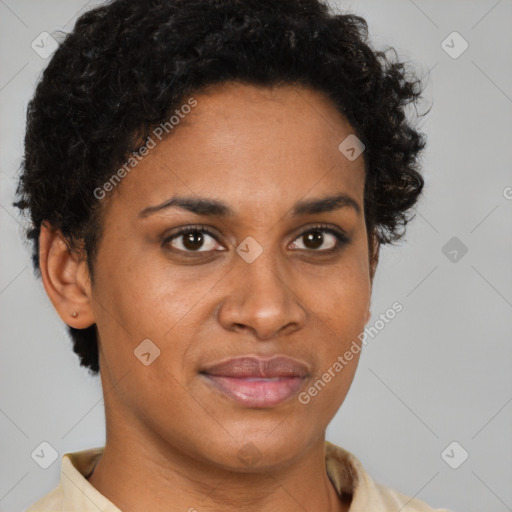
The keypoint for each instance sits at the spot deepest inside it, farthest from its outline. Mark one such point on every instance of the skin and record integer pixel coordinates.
(173, 441)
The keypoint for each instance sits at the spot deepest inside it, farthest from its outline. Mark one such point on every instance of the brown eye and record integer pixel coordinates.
(320, 239)
(313, 239)
(192, 240)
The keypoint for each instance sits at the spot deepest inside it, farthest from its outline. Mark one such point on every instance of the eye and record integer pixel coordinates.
(320, 239)
(199, 239)
(192, 239)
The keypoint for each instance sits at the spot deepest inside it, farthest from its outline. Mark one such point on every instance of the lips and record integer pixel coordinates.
(256, 367)
(257, 382)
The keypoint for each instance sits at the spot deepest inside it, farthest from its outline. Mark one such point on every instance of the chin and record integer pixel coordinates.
(259, 453)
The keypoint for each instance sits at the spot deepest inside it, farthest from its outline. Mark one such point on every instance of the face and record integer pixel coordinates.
(246, 262)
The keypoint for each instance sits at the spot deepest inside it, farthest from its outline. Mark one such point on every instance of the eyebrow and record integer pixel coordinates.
(213, 207)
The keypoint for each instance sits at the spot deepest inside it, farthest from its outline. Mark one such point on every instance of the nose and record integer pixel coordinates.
(259, 298)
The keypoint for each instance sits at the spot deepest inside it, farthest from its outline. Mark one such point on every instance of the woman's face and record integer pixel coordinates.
(258, 279)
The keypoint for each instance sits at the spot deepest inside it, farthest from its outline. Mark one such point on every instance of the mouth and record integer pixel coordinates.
(257, 382)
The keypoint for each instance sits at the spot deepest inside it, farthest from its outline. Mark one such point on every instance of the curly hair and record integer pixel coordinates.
(128, 64)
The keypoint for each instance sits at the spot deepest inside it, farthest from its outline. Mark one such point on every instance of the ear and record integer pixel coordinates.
(373, 255)
(374, 250)
(66, 278)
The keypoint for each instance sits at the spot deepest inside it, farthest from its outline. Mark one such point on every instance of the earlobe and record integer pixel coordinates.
(66, 279)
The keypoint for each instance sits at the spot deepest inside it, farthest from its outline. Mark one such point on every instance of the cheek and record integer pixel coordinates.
(340, 298)
(157, 302)
(339, 312)
(339, 306)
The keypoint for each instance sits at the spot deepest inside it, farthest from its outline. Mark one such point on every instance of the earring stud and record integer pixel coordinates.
(74, 314)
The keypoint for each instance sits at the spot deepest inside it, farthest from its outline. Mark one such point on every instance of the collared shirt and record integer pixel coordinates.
(75, 494)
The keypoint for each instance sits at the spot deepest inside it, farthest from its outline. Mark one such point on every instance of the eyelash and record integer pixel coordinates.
(341, 238)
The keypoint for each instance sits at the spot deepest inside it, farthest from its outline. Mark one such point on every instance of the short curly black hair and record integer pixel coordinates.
(128, 64)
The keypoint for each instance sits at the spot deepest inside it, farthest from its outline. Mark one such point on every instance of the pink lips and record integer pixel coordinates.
(258, 382)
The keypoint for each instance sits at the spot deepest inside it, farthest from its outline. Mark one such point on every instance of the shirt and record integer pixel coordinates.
(75, 494)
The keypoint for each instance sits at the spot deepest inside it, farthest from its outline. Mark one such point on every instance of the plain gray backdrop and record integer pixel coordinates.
(434, 385)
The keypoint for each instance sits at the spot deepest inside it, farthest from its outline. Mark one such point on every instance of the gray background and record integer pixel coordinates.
(439, 372)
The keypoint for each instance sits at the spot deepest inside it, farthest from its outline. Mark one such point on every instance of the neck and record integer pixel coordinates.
(141, 479)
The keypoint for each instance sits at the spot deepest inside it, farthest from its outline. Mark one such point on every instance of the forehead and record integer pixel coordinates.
(293, 112)
(247, 143)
